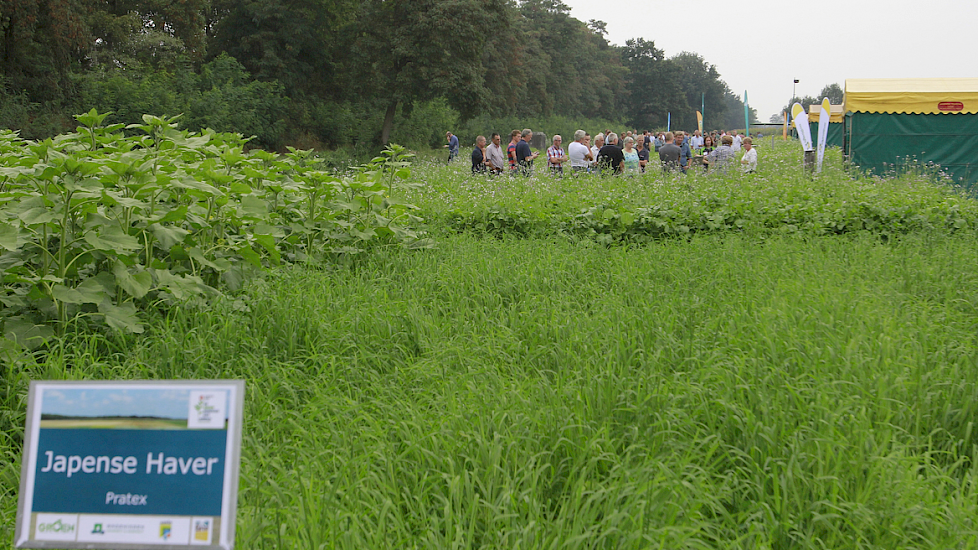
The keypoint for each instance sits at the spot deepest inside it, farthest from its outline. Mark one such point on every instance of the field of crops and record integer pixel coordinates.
(759, 363)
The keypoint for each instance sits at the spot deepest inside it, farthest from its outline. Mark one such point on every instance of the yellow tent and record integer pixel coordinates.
(916, 95)
(891, 123)
(837, 114)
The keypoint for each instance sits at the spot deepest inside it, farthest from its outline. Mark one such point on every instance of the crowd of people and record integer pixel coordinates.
(610, 153)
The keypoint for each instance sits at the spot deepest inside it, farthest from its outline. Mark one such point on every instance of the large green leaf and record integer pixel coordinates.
(26, 333)
(268, 243)
(177, 214)
(88, 294)
(169, 235)
(136, 284)
(11, 237)
(38, 215)
(181, 287)
(250, 255)
(122, 317)
(113, 239)
(253, 207)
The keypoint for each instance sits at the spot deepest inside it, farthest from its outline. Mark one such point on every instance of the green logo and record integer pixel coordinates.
(97, 529)
(56, 527)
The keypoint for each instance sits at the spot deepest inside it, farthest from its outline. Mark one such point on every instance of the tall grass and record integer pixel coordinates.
(722, 391)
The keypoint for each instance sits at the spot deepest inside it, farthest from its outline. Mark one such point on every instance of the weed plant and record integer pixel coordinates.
(722, 391)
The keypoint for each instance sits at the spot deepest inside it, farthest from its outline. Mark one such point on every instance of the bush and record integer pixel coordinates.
(221, 97)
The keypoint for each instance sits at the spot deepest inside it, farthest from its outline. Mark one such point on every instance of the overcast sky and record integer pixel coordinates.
(763, 45)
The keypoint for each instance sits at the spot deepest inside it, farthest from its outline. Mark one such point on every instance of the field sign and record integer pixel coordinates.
(145, 464)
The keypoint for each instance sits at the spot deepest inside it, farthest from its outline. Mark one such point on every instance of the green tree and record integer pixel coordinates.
(699, 79)
(652, 87)
(416, 50)
(297, 43)
(581, 74)
(834, 92)
(40, 42)
(735, 111)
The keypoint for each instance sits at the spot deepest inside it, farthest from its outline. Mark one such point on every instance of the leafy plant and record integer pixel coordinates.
(95, 225)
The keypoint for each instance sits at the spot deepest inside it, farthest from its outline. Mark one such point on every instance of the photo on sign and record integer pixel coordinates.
(104, 409)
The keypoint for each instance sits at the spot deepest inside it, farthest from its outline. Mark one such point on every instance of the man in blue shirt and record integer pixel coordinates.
(684, 152)
(524, 155)
(452, 145)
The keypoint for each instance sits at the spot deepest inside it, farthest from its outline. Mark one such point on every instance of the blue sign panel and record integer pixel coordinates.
(156, 471)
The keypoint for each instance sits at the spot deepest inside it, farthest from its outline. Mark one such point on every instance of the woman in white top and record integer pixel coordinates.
(749, 161)
(598, 144)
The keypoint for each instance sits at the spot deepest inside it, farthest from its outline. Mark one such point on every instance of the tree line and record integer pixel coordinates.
(339, 72)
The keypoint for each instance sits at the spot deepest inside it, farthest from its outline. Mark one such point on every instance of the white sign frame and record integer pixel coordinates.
(225, 536)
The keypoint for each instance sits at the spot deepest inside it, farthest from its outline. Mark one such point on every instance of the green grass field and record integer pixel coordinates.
(749, 387)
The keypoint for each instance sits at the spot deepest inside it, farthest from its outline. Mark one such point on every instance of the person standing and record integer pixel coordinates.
(669, 154)
(610, 156)
(579, 153)
(630, 155)
(479, 155)
(749, 161)
(696, 141)
(524, 155)
(643, 155)
(737, 141)
(595, 150)
(514, 140)
(707, 149)
(556, 157)
(684, 153)
(722, 157)
(494, 155)
(452, 145)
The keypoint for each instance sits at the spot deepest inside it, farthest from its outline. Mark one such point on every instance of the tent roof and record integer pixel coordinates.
(912, 95)
(837, 114)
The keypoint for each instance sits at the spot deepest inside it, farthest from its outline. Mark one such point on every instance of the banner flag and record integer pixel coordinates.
(746, 115)
(823, 130)
(669, 122)
(699, 121)
(800, 120)
(784, 131)
(702, 106)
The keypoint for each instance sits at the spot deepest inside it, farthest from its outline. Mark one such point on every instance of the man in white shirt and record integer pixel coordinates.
(696, 142)
(494, 156)
(580, 155)
(737, 141)
(749, 161)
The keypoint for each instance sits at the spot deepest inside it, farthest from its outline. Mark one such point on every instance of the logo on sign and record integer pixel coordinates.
(950, 106)
(97, 529)
(56, 527)
(166, 530)
(206, 409)
(202, 530)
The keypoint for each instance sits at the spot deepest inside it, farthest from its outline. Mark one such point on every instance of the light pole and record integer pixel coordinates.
(788, 115)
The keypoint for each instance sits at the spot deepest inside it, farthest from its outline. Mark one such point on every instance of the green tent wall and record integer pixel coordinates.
(834, 139)
(883, 143)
